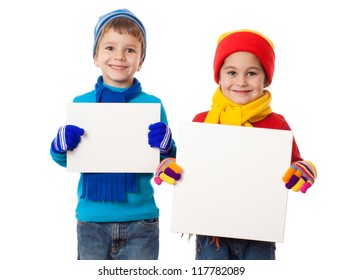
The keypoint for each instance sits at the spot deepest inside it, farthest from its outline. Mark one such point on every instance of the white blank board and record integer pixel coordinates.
(231, 184)
(115, 139)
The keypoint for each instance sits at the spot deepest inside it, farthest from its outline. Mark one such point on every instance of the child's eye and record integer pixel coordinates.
(231, 73)
(109, 48)
(129, 50)
(251, 73)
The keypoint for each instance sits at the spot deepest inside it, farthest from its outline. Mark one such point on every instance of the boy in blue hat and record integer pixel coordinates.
(123, 226)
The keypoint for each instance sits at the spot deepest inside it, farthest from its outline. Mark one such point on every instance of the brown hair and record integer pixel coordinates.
(125, 26)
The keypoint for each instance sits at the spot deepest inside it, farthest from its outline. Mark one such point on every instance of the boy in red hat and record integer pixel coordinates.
(243, 69)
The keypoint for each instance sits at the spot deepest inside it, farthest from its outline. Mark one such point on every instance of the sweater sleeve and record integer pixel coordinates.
(173, 150)
(200, 117)
(59, 158)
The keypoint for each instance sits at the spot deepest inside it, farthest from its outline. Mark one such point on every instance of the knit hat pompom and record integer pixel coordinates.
(247, 41)
(105, 19)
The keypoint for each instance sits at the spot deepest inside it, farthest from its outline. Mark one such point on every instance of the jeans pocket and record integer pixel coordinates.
(152, 224)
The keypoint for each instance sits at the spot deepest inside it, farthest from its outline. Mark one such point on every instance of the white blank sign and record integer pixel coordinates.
(115, 139)
(231, 185)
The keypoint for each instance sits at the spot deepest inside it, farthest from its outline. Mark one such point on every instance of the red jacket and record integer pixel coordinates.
(273, 121)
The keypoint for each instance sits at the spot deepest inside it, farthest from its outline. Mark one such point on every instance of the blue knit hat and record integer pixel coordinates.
(105, 19)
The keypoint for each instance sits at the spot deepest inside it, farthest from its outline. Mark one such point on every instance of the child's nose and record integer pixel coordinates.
(119, 55)
(241, 80)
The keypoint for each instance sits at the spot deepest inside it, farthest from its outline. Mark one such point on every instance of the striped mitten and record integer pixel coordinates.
(300, 176)
(160, 136)
(168, 171)
(67, 138)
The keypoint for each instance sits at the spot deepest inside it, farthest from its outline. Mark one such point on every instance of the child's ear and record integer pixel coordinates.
(96, 61)
(140, 66)
(266, 83)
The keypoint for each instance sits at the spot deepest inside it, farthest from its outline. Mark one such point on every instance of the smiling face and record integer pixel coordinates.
(242, 78)
(119, 56)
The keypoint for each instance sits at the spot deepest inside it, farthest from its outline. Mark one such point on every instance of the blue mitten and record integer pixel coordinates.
(67, 138)
(160, 136)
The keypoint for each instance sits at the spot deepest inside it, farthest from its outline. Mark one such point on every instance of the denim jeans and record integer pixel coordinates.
(233, 249)
(137, 240)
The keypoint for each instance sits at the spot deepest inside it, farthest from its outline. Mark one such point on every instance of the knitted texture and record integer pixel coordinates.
(224, 111)
(105, 19)
(168, 171)
(247, 41)
(160, 136)
(300, 176)
(67, 138)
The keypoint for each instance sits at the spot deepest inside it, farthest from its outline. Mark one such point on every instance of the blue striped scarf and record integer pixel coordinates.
(111, 186)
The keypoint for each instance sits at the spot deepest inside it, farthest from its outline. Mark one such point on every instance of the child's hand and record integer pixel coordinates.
(300, 176)
(67, 138)
(168, 171)
(160, 136)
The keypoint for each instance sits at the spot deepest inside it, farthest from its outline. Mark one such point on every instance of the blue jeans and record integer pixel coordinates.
(233, 249)
(137, 240)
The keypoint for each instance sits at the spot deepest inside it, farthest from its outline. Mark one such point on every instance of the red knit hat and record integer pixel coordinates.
(248, 41)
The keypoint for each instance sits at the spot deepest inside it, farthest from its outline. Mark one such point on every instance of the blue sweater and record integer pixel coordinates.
(140, 205)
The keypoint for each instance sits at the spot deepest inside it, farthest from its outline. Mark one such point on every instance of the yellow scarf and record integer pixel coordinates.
(224, 111)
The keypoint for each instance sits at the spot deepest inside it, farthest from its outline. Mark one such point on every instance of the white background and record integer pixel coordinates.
(46, 49)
